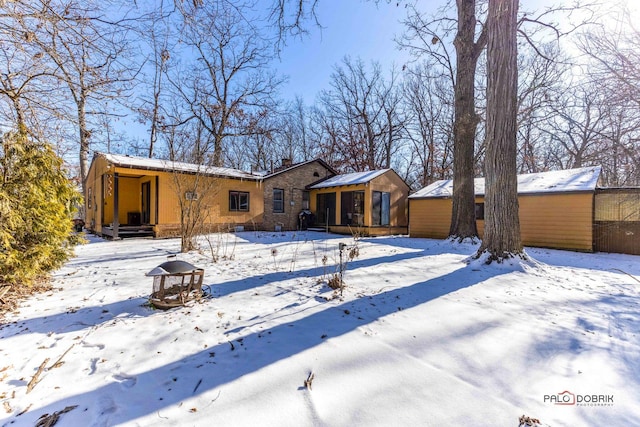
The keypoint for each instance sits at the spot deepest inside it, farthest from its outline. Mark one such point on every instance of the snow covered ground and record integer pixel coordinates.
(420, 336)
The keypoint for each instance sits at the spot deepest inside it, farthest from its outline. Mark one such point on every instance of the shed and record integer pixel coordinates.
(556, 208)
(370, 203)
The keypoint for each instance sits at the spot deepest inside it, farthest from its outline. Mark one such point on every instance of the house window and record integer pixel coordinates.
(278, 200)
(381, 208)
(305, 200)
(480, 211)
(352, 208)
(238, 201)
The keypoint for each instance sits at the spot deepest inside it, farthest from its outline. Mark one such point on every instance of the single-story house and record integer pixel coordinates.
(556, 208)
(286, 196)
(132, 196)
(370, 203)
(135, 196)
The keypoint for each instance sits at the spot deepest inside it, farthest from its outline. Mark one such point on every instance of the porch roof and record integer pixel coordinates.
(349, 179)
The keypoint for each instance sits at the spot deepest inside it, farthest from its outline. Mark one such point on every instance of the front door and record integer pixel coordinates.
(326, 209)
(146, 202)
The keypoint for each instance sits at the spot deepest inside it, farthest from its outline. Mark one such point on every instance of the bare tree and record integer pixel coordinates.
(29, 97)
(470, 39)
(576, 126)
(614, 75)
(428, 101)
(469, 42)
(290, 18)
(229, 87)
(395, 121)
(195, 191)
(158, 31)
(615, 55)
(89, 52)
(540, 81)
(325, 133)
(365, 108)
(501, 238)
(294, 133)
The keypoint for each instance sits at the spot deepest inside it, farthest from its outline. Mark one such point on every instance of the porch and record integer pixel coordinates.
(125, 231)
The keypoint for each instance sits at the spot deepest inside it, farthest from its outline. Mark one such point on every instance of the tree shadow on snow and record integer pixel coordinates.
(605, 330)
(270, 237)
(253, 351)
(79, 319)
(261, 279)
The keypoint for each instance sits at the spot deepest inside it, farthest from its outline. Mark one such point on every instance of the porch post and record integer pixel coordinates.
(115, 206)
(156, 221)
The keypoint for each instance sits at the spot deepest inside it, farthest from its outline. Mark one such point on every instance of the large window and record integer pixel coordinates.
(278, 200)
(238, 201)
(352, 208)
(381, 208)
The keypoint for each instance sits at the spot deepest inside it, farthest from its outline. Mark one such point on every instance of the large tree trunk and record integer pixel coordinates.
(502, 226)
(463, 219)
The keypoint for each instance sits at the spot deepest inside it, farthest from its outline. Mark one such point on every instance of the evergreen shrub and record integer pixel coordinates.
(37, 202)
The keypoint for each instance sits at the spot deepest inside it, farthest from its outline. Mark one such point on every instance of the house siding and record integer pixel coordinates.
(165, 188)
(215, 194)
(94, 200)
(562, 221)
(388, 182)
(430, 218)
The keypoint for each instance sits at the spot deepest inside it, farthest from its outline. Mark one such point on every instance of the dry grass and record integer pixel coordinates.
(12, 295)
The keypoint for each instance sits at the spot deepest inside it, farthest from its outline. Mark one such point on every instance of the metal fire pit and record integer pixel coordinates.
(175, 283)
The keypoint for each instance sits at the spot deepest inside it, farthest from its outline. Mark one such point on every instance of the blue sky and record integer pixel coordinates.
(350, 27)
(360, 28)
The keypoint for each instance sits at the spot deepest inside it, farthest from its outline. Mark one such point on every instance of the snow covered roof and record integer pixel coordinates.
(168, 165)
(350, 179)
(570, 180)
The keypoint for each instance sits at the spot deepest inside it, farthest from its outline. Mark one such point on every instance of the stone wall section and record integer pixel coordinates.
(294, 182)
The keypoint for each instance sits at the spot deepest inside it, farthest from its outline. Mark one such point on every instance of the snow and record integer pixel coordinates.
(420, 336)
(568, 180)
(163, 165)
(350, 179)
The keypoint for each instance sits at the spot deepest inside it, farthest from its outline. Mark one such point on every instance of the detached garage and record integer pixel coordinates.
(556, 208)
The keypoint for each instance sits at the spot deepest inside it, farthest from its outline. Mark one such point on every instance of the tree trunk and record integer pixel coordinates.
(217, 150)
(502, 226)
(84, 142)
(463, 219)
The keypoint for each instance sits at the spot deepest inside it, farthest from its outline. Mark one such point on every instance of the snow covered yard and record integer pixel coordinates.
(419, 337)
